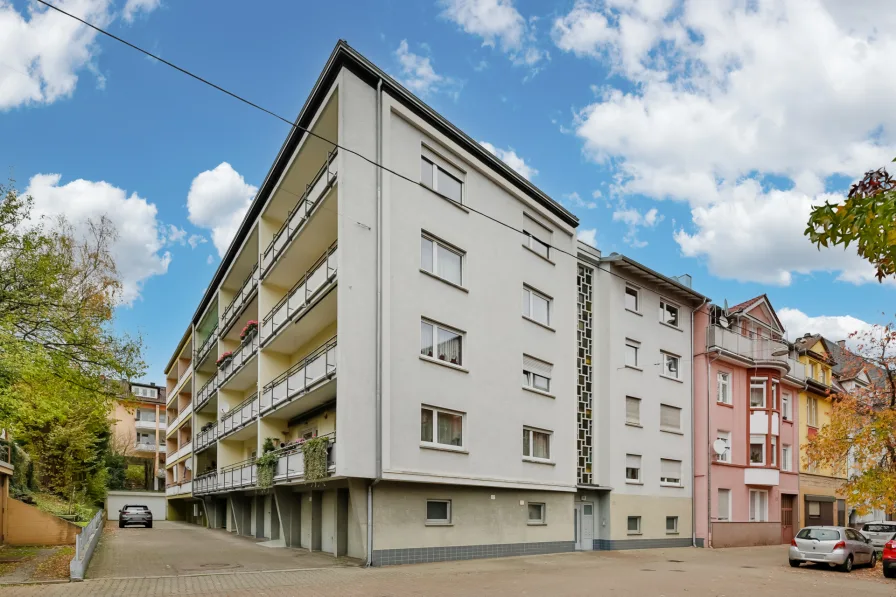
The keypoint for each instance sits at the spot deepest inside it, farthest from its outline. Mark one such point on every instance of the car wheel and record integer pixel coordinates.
(120, 524)
(794, 563)
(847, 565)
(873, 561)
(149, 525)
(889, 572)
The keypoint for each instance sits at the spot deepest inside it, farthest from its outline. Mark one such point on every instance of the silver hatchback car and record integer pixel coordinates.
(842, 547)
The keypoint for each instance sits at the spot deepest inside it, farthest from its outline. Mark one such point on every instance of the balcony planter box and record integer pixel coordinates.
(224, 359)
(249, 331)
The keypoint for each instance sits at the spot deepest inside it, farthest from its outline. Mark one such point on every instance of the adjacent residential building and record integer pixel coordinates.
(634, 395)
(179, 431)
(747, 386)
(139, 426)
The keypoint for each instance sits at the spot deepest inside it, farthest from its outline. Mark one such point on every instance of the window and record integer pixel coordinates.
(723, 386)
(668, 313)
(537, 374)
(441, 260)
(786, 408)
(814, 509)
(812, 404)
(536, 513)
(670, 472)
(758, 506)
(437, 341)
(146, 438)
(441, 427)
(671, 365)
(634, 525)
(725, 437)
(439, 180)
(632, 468)
(538, 238)
(632, 298)
(786, 458)
(724, 507)
(145, 415)
(671, 525)
(632, 410)
(670, 418)
(757, 393)
(438, 511)
(757, 449)
(536, 444)
(774, 448)
(631, 353)
(536, 306)
(163, 418)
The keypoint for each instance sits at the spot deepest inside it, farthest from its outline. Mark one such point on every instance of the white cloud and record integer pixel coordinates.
(174, 235)
(634, 220)
(588, 236)
(210, 260)
(500, 25)
(728, 105)
(418, 75)
(575, 200)
(132, 8)
(509, 157)
(195, 240)
(218, 200)
(137, 251)
(832, 327)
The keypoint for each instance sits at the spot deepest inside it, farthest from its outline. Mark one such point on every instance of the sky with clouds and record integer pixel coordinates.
(693, 136)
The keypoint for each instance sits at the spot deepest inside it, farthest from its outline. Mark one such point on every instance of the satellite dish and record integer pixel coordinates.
(723, 321)
(719, 446)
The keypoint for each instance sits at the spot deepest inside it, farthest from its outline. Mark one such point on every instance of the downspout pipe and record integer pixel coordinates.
(708, 541)
(694, 441)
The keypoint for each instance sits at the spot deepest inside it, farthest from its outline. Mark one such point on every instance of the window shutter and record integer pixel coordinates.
(670, 417)
(538, 367)
(632, 410)
(632, 461)
(724, 507)
(670, 468)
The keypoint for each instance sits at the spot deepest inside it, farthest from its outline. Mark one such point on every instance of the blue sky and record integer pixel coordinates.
(691, 138)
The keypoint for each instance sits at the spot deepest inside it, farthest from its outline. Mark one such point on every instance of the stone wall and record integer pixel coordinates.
(29, 525)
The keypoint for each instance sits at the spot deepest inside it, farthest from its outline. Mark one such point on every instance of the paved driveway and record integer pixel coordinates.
(178, 549)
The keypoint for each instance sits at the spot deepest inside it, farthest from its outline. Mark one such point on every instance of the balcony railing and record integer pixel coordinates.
(233, 310)
(182, 451)
(205, 392)
(797, 369)
(206, 438)
(239, 416)
(300, 296)
(755, 349)
(299, 214)
(241, 474)
(181, 417)
(206, 345)
(179, 385)
(319, 366)
(148, 425)
(145, 446)
(239, 358)
(179, 488)
(205, 483)
(291, 463)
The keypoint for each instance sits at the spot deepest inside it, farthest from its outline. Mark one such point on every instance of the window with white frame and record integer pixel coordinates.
(536, 306)
(786, 458)
(632, 298)
(773, 399)
(633, 525)
(442, 343)
(786, 406)
(632, 468)
(723, 387)
(724, 437)
(440, 427)
(724, 505)
(669, 313)
(536, 444)
(671, 365)
(537, 237)
(774, 448)
(536, 513)
(148, 416)
(438, 512)
(670, 472)
(670, 418)
(439, 180)
(671, 525)
(812, 406)
(442, 260)
(632, 410)
(757, 393)
(632, 349)
(758, 505)
(757, 450)
(537, 374)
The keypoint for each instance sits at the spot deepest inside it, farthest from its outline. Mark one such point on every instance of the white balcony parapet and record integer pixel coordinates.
(318, 276)
(182, 451)
(206, 483)
(179, 488)
(755, 349)
(291, 462)
(206, 438)
(148, 425)
(239, 416)
(316, 368)
(762, 476)
(205, 392)
(206, 345)
(235, 476)
(239, 358)
(178, 386)
(146, 447)
(298, 215)
(240, 300)
(180, 418)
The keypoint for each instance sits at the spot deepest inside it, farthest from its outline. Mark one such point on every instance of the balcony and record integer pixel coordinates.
(181, 452)
(142, 425)
(180, 418)
(756, 351)
(206, 483)
(239, 416)
(235, 476)
(306, 378)
(314, 193)
(240, 301)
(205, 393)
(206, 438)
(179, 488)
(291, 463)
(232, 369)
(797, 370)
(206, 346)
(178, 387)
(762, 476)
(147, 447)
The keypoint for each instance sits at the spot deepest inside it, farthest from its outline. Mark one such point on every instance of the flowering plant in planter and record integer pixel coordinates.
(251, 328)
(224, 359)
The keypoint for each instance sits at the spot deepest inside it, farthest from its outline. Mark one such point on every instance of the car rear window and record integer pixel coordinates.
(819, 534)
(880, 528)
(136, 508)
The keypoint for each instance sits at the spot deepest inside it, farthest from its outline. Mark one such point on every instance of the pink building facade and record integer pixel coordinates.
(746, 433)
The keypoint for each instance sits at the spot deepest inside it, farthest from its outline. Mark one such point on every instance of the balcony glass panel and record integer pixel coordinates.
(240, 300)
(239, 416)
(239, 358)
(301, 377)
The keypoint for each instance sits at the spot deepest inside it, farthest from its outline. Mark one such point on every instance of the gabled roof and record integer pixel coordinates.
(851, 366)
(746, 306)
(807, 343)
(664, 283)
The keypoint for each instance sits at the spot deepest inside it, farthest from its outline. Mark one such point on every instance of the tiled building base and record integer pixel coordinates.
(419, 555)
(610, 544)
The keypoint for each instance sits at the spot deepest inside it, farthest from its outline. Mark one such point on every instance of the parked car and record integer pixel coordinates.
(888, 558)
(879, 532)
(135, 514)
(842, 547)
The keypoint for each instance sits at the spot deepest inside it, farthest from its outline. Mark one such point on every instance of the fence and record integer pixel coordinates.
(85, 543)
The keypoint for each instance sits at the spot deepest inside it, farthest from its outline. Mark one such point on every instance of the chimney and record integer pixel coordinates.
(841, 344)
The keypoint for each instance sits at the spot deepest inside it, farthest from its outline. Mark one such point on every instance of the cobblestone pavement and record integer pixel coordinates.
(748, 572)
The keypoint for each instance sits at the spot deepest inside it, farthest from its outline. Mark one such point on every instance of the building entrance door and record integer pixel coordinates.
(786, 519)
(584, 522)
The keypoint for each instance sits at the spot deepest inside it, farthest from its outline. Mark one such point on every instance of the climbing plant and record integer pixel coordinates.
(314, 452)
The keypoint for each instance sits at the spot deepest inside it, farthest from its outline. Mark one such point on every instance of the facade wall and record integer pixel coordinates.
(28, 525)
(745, 534)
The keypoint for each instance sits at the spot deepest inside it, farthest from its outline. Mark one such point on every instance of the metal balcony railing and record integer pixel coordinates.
(239, 416)
(205, 483)
(291, 461)
(301, 295)
(241, 474)
(182, 451)
(180, 418)
(298, 215)
(240, 300)
(755, 349)
(319, 366)
(239, 358)
(206, 345)
(205, 392)
(206, 438)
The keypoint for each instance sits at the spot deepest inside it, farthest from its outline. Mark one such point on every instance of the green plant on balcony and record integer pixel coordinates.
(314, 452)
(265, 465)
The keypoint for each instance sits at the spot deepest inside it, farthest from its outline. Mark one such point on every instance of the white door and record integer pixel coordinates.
(584, 517)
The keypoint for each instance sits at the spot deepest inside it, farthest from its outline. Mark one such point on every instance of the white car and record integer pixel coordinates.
(842, 547)
(879, 532)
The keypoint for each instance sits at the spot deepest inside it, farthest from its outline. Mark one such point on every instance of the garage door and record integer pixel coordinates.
(116, 500)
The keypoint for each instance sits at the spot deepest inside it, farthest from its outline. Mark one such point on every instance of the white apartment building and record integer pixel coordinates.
(635, 397)
(433, 347)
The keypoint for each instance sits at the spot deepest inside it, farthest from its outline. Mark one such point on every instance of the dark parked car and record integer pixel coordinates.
(889, 558)
(135, 514)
